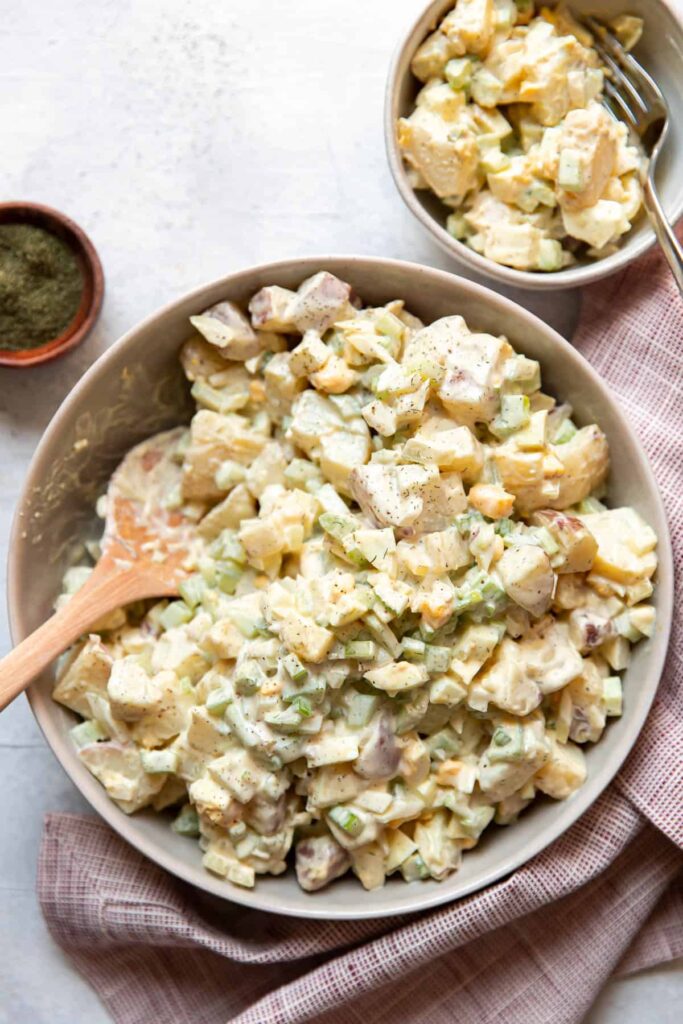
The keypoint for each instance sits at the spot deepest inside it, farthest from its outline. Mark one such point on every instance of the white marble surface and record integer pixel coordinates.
(189, 138)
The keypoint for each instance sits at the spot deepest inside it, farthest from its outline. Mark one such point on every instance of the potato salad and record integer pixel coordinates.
(510, 132)
(406, 612)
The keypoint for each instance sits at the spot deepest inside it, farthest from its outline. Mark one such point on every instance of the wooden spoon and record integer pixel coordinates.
(144, 548)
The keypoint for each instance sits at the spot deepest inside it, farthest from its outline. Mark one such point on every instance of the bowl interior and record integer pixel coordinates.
(91, 271)
(137, 388)
(660, 51)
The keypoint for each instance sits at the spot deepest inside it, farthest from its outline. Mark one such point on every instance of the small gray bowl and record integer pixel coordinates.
(660, 51)
(137, 388)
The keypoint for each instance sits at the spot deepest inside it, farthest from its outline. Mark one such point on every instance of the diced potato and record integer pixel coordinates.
(449, 447)
(229, 513)
(392, 495)
(310, 355)
(397, 676)
(563, 773)
(625, 545)
(548, 656)
(119, 769)
(215, 438)
(470, 26)
(132, 693)
(367, 864)
(335, 377)
(491, 500)
(305, 639)
(432, 56)
(86, 672)
(504, 683)
(226, 327)
(590, 135)
(200, 360)
(270, 309)
(448, 164)
(528, 577)
(577, 544)
(320, 302)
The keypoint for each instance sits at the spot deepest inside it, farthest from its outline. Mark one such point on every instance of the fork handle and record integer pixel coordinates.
(670, 245)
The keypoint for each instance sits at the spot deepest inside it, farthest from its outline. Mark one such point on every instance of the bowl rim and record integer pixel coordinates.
(571, 277)
(42, 705)
(86, 316)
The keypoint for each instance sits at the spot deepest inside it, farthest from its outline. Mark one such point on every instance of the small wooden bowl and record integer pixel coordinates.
(93, 281)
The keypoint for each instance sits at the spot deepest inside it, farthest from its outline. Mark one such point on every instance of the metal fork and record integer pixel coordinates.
(637, 100)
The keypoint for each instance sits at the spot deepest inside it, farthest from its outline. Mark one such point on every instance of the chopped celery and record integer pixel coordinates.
(303, 706)
(157, 762)
(360, 650)
(546, 540)
(570, 172)
(228, 474)
(443, 743)
(175, 614)
(507, 744)
(549, 254)
(227, 575)
(228, 547)
(300, 471)
(565, 433)
(458, 72)
(346, 820)
(590, 505)
(192, 590)
(513, 415)
(86, 733)
(187, 822)
(247, 624)
(218, 700)
(338, 526)
(456, 225)
(249, 676)
(293, 667)
(362, 707)
(411, 711)
(503, 527)
(474, 823)
(412, 648)
(466, 520)
(383, 634)
(288, 720)
(522, 374)
(437, 659)
(312, 687)
(414, 868)
(613, 697)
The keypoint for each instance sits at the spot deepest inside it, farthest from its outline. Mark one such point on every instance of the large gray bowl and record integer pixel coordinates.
(661, 53)
(137, 388)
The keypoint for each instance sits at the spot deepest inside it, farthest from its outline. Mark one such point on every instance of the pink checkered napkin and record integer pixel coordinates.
(537, 947)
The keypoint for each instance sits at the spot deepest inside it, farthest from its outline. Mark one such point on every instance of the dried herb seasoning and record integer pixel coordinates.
(41, 286)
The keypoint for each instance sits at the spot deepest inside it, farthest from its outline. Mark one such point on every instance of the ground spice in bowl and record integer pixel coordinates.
(41, 286)
(51, 284)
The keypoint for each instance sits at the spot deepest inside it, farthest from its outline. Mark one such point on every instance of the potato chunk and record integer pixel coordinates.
(577, 544)
(528, 578)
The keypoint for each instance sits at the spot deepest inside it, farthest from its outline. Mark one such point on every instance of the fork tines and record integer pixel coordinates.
(630, 92)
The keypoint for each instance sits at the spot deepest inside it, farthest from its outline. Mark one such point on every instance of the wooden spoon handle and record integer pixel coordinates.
(103, 592)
